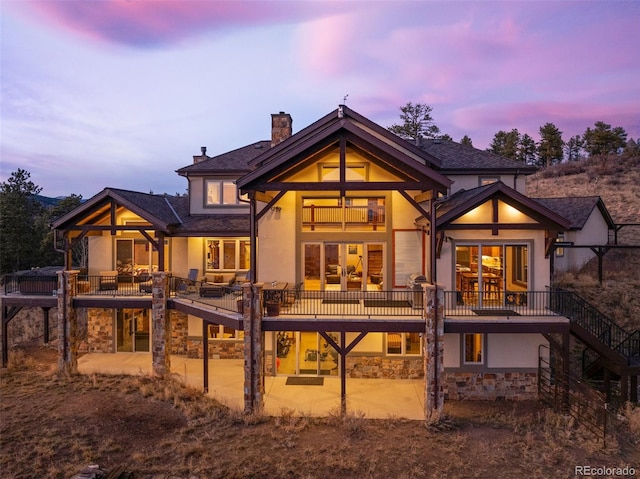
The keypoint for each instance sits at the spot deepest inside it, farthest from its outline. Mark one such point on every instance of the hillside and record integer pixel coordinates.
(617, 182)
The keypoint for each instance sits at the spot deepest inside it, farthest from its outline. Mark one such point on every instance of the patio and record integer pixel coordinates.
(376, 398)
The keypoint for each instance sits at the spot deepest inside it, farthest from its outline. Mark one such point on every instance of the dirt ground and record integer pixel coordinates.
(52, 426)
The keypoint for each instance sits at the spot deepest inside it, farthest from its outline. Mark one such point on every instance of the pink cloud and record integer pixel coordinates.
(149, 23)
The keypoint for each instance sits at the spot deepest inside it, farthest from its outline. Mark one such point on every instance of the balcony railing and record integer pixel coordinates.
(335, 215)
(503, 303)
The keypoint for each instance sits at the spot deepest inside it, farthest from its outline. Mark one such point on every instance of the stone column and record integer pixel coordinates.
(433, 353)
(253, 348)
(68, 340)
(160, 324)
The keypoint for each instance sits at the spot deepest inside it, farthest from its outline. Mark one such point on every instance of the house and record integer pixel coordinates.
(338, 251)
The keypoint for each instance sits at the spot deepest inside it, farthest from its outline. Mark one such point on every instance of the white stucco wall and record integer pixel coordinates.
(277, 242)
(594, 232)
(100, 254)
(468, 182)
(451, 350)
(513, 350)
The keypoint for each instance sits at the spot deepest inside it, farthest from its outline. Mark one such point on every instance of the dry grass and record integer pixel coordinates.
(54, 425)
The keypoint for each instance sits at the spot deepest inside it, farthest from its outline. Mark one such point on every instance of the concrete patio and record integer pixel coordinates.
(375, 398)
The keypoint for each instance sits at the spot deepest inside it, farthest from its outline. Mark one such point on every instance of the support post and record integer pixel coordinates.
(433, 353)
(45, 317)
(253, 348)
(343, 372)
(161, 324)
(67, 322)
(205, 355)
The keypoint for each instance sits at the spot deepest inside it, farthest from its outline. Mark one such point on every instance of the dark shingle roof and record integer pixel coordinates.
(159, 206)
(218, 224)
(234, 160)
(576, 209)
(458, 158)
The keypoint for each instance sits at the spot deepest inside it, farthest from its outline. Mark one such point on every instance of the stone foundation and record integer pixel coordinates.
(100, 335)
(180, 333)
(371, 367)
(28, 326)
(219, 349)
(514, 386)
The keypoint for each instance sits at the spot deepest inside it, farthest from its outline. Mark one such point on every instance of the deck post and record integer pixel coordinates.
(68, 340)
(253, 348)
(433, 353)
(205, 355)
(160, 324)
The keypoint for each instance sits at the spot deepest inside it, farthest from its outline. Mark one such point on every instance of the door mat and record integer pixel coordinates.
(495, 312)
(300, 381)
(386, 303)
(323, 372)
(340, 301)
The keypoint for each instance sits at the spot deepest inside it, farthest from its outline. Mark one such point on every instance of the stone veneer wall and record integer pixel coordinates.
(179, 332)
(28, 326)
(367, 367)
(493, 386)
(100, 330)
(219, 349)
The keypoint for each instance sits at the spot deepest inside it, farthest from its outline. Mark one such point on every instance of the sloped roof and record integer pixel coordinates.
(577, 209)
(343, 122)
(232, 161)
(458, 158)
(203, 225)
(452, 207)
(156, 209)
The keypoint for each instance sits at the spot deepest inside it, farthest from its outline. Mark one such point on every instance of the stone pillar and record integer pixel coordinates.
(433, 353)
(253, 348)
(68, 340)
(160, 324)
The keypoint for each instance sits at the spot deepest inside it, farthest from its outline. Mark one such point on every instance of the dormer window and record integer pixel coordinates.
(220, 192)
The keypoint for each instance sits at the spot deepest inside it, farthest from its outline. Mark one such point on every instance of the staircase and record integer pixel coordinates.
(616, 350)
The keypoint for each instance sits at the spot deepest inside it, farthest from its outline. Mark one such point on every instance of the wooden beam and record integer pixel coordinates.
(262, 196)
(417, 206)
(424, 196)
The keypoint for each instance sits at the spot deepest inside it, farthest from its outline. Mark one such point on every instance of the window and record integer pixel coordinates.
(219, 331)
(560, 250)
(404, 343)
(487, 180)
(352, 172)
(227, 254)
(473, 348)
(220, 192)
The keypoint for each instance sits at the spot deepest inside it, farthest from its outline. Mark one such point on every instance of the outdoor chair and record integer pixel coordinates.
(190, 283)
(108, 280)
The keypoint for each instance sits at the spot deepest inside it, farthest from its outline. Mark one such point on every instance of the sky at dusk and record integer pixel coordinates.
(120, 94)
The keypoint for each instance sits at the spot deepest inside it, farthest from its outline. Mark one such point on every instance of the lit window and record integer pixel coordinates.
(228, 254)
(404, 343)
(487, 180)
(218, 331)
(220, 192)
(560, 251)
(473, 348)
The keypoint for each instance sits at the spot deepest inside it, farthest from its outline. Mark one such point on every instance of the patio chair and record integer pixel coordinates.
(108, 280)
(190, 283)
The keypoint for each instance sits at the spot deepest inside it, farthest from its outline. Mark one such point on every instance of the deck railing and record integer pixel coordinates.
(503, 303)
(30, 284)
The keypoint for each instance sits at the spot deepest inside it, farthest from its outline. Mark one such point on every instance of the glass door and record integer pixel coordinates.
(306, 353)
(133, 330)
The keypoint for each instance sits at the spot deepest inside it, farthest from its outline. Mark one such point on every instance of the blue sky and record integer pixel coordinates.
(122, 93)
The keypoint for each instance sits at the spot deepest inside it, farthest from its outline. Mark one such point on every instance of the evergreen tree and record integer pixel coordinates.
(506, 144)
(527, 150)
(603, 139)
(574, 148)
(417, 123)
(466, 141)
(550, 149)
(48, 254)
(20, 230)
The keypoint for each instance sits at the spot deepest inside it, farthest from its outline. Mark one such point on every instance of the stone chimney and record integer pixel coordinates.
(202, 157)
(280, 127)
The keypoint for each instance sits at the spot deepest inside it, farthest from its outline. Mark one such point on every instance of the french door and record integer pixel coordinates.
(305, 353)
(344, 266)
(133, 329)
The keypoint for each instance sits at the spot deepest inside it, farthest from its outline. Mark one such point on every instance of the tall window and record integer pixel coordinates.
(473, 348)
(220, 192)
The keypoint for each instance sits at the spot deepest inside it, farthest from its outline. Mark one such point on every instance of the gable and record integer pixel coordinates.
(347, 140)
